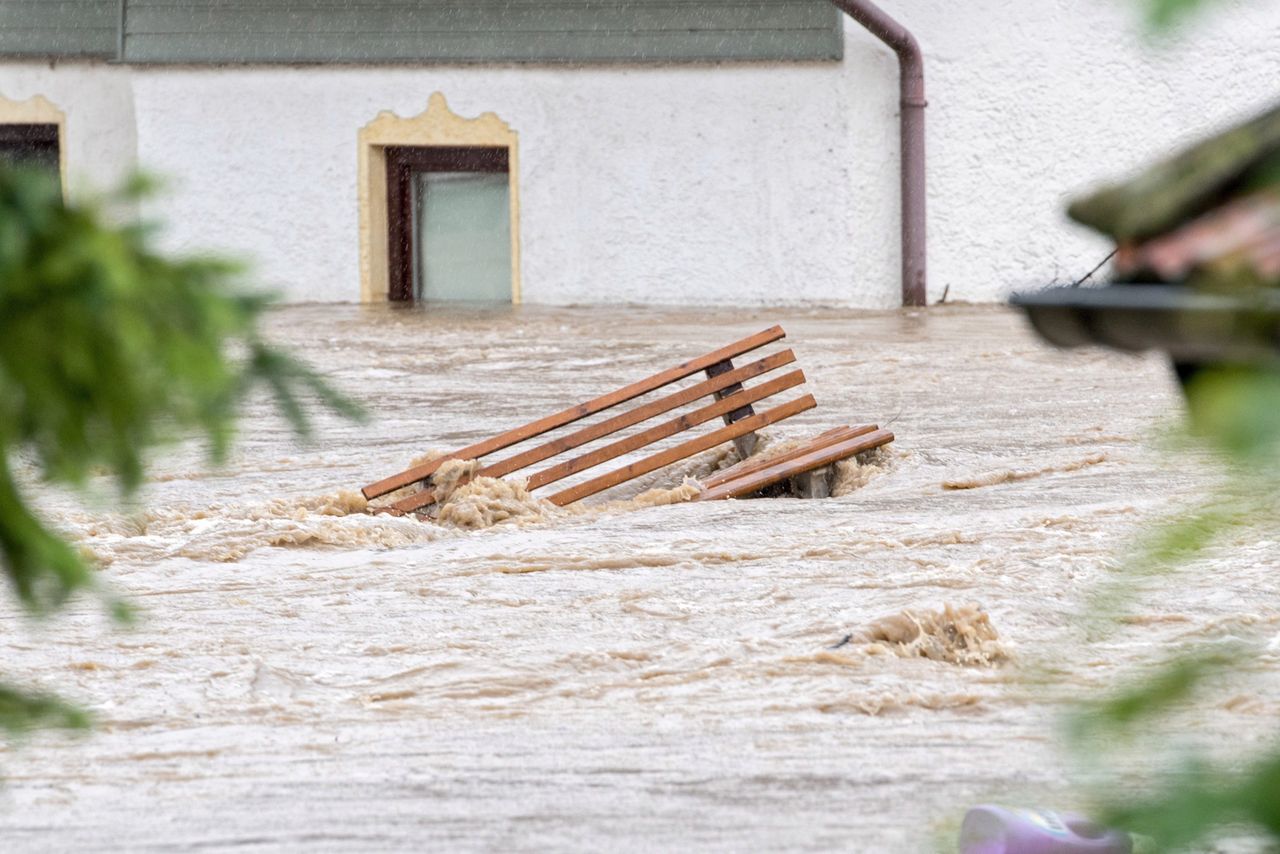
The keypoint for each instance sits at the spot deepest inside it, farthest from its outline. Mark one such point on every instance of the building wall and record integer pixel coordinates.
(746, 183)
(101, 146)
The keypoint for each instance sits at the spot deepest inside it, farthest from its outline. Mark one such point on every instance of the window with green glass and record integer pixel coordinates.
(449, 224)
(462, 231)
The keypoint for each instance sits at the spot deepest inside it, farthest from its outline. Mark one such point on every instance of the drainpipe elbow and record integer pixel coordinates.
(898, 39)
(911, 69)
(911, 93)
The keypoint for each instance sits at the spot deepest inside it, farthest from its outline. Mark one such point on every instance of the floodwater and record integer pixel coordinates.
(648, 678)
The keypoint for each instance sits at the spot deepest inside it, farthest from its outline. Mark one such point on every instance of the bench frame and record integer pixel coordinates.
(732, 402)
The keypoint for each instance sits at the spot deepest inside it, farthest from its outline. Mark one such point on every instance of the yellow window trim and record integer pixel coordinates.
(437, 125)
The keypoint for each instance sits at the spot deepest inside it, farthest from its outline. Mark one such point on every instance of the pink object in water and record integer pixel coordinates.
(991, 829)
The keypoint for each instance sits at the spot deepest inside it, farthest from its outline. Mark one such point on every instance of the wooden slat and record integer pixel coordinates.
(642, 413)
(814, 459)
(617, 449)
(667, 428)
(830, 437)
(685, 449)
(751, 464)
(576, 413)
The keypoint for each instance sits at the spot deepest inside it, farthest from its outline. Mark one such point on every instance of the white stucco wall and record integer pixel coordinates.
(100, 147)
(699, 183)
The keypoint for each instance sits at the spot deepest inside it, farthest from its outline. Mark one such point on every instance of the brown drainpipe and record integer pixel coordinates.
(911, 84)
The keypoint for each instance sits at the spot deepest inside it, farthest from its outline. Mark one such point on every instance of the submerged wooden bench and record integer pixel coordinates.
(732, 402)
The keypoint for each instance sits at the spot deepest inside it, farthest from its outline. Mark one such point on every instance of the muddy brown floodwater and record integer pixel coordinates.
(642, 678)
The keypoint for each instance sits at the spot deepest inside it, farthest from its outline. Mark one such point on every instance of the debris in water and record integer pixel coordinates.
(856, 472)
(452, 475)
(486, 501)
(1009, 475)
(962, 635)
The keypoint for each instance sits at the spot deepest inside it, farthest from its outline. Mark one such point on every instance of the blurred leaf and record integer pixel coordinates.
(1172, 684)
(1163, 14)
(107, 349)
(43, 568)
(1236, 414)
(1199, 797)
(1238, 411)
(22, 712)
(1191, 800)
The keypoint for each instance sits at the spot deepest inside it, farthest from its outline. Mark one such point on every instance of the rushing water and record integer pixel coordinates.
(643, 677)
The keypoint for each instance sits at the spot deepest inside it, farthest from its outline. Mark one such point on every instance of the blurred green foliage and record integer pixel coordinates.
(109, 348)
(1162, 14)
(1178, 798)
(21, 712)
(1185, 798)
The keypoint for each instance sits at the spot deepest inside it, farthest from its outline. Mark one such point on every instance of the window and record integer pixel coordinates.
(33, 145)
(449, 220)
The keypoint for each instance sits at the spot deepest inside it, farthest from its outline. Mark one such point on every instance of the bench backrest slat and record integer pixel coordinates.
(661, 431)
(576, 413)
(634, 416)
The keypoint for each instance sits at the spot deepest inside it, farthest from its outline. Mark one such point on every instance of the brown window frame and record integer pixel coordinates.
(403, 163)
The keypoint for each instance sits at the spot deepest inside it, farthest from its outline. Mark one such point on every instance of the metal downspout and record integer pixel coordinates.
(911, 84)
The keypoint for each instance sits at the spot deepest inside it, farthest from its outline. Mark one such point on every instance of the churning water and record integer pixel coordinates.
(648, 674)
